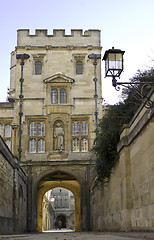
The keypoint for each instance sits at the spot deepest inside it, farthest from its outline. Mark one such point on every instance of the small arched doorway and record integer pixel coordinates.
(62, 180)
(61, 220)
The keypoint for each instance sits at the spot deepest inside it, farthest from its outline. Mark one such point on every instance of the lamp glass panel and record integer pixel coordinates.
(112, 56)
(118, 57)
(115, 61)
(112, 60)
(119, 61)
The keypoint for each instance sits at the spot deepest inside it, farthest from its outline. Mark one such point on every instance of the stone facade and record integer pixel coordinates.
(127, 202)
(48, 217)
(57, 116)
(13, 197)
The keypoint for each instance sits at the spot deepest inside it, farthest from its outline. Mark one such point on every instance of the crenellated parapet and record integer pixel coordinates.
(58, 38)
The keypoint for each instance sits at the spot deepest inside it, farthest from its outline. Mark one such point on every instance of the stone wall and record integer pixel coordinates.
(59, 38)
(13, 197)
(127, 202)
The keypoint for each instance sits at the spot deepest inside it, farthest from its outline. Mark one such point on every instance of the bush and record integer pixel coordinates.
(105, 144)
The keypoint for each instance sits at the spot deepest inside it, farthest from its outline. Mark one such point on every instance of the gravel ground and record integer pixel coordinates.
(71, 235)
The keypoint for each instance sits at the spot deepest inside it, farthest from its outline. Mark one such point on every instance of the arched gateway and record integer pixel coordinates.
(70, 175)
(59, 179)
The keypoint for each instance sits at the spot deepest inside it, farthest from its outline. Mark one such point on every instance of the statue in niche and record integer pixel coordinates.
(58, 138)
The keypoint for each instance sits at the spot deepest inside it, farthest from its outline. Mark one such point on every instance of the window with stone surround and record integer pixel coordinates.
(58, 95)
(79, 63)
(38, 63)
(38, 67)
(80, 136)
(79, 67)
(37, 137)
(6, 133)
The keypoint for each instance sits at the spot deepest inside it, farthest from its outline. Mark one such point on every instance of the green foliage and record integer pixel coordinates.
(105, 145)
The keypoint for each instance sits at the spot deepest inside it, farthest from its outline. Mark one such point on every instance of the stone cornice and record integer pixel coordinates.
(50, 47)
(144, 120)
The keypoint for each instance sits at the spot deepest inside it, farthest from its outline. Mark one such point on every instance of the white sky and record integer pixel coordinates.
(124, 24)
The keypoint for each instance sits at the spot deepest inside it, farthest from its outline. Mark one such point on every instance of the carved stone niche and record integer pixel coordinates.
(58, 136)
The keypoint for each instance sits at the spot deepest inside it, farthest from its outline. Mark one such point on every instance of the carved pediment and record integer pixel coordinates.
(59, 78)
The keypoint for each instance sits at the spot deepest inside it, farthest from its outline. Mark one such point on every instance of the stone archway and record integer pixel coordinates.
(58, 179)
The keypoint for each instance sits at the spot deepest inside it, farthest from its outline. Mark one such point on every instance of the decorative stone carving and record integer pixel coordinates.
(58, 137)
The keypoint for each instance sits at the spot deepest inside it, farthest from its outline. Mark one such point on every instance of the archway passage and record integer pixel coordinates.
(58, 179)
(58, 208)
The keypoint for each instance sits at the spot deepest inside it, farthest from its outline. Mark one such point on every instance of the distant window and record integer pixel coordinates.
(79, 67)
(62, 95)
(84, 145)
(41, 129)
(75, 128)
(76, 147)
(8, 143)
(80, 136)
(37, 137)
(7, 131)
(38, 67)
(41, 145)
(1, 130)
(84, 128)
(33, 129)
(32, 146)
(54, 96)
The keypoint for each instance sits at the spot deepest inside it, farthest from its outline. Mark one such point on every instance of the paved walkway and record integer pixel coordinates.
(71, 235)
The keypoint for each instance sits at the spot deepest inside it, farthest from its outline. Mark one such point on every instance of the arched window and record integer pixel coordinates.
(62, 95)
(76, 147)
(32, 129)
(38, 67)
(32, 146)
(7, 131)
(1, 130)
(84, 145)
(41, 145)
(79, 67)
(54, 96)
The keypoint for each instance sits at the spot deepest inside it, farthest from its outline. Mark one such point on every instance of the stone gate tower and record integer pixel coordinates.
(58, 121)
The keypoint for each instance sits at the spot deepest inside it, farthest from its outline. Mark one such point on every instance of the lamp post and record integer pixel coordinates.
(22, 57)
(95, 57)
(114, 65)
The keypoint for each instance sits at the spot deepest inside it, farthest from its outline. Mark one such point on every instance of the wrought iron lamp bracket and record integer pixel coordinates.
(138, 94)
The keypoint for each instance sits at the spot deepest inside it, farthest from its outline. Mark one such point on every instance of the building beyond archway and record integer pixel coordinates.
(58, 207)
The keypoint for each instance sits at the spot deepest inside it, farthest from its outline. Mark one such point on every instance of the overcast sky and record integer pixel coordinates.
(124, 24)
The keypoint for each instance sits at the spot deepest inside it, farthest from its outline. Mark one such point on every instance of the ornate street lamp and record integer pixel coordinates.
(113, 62)
(114, 65)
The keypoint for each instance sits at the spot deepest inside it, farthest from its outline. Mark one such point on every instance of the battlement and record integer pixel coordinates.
(58, 38)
